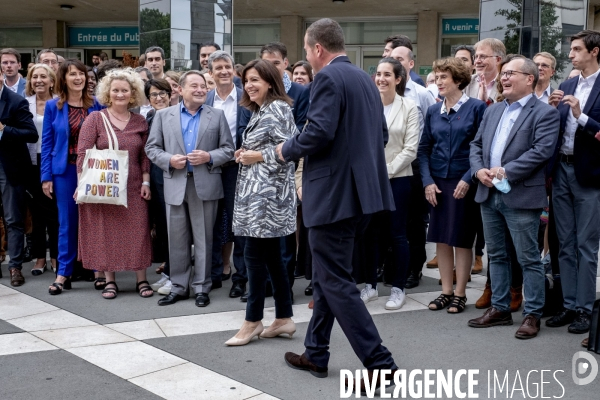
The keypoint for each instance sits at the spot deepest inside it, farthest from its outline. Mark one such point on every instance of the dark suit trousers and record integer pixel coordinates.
(337, 297)
(416, 227)
(13, 201)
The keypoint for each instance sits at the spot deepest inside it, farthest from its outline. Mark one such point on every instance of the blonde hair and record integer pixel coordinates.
(496, 45)
(29, 85)
(548, 56)
(128, 75)
(173, 75)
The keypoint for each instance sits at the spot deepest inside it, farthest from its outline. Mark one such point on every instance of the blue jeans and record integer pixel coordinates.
(523, 227)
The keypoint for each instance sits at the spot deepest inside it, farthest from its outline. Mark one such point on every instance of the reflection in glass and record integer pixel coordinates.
(530, 26)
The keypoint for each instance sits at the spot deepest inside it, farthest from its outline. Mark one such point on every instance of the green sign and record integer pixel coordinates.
(105, 36)
(460, 26)
(425, 70)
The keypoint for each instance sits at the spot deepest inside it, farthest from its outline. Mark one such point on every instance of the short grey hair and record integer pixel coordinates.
(145, 70)
(529, 67)
(219, 55)
(39, 55)
(188, 73)
(548, 56)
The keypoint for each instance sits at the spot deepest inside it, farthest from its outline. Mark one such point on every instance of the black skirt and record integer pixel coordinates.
(452, 221)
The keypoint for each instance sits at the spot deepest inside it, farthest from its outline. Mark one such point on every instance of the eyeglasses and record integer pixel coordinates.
(509, 73)
(482, 57)
(543, 66)
(49, 62)
(161, 94)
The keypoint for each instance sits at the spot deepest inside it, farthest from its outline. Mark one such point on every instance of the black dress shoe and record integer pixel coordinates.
(202, 300)
(225, 277)
(563, 318)
(237, 290)
(413, 280)
(309, 289)
(216, 285)
(581, 324)
(171, 298)
(244, 298)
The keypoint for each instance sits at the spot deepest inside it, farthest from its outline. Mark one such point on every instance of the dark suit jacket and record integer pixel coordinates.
(301, 96)
(528, 148)
(345, 172)
(586, 148)
(55, 138)
(243, 116)
(19, 130)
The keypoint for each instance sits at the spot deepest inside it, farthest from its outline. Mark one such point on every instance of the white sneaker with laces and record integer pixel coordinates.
(163, 279)
(396, 300)
(369, 294)
(166, 288)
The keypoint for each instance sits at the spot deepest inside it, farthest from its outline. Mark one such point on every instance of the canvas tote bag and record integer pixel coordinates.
(103, 177)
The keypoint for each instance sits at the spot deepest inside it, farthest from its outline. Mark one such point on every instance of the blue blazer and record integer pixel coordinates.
(301, 96)
(19, 130)
(345, 173)
(55, 138)
(21, 87)
(243, 116)
(586, 148)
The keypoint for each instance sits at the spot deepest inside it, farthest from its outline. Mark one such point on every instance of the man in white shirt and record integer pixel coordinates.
(546, 64)
(226, 97)
(576, 184)
(416, 224)
(488, 54)
(10, 62)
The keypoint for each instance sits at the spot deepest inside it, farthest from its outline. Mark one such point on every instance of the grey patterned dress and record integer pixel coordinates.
(265, 193)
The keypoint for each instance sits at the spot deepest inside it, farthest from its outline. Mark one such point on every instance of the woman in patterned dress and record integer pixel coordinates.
(265, 200)
(116, 238)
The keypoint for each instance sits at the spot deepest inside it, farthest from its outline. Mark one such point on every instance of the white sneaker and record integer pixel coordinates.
(368, 294)
(163, 279)
(166, 288)
(396, 300)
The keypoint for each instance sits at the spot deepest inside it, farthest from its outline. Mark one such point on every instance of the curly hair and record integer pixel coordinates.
(457, 68)
(128, 75)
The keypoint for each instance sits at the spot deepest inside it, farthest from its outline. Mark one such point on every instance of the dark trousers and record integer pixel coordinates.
(158, 217)
(288, 256)
(400, 249)
(262, 257)
(480, 239)
(13, 201)
(337, 297)
(304, 258)
(44, 217)
(229, 177)
(416, 228)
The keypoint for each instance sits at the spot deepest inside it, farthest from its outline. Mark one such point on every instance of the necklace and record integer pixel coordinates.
(119, 119)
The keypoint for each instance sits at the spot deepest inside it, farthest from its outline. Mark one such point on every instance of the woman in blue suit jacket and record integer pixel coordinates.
(63, 118)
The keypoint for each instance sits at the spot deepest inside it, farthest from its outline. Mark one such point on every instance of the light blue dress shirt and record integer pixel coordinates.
(189, 129)
(510, 115)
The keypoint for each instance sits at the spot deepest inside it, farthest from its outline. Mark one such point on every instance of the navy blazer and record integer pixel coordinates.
(301, 96)
(445, 144)
(55, 138)
(243, 116)
(345, 173)
(19, 130)
(586, 149)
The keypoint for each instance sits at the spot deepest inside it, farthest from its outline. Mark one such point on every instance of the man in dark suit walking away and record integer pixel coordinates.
(344, 182)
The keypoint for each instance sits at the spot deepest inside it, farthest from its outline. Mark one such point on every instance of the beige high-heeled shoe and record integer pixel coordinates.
(289, 328)
(241, 342)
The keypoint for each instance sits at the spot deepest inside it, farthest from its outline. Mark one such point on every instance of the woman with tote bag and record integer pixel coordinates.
(113, 237)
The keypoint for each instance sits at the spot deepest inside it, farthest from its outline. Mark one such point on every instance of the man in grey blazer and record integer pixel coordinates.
(514, 142)
(189, 142)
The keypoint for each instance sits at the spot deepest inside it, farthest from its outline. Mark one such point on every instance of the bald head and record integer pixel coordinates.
(405, 56)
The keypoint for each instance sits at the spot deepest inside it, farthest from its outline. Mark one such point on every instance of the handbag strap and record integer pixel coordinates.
(110, 133)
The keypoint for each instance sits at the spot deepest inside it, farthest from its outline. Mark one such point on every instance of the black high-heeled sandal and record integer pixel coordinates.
(59, 287)
(441, 302)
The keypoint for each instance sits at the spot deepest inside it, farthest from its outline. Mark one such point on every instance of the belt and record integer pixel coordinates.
(190, 174)
(567, 158)
(228, 163)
